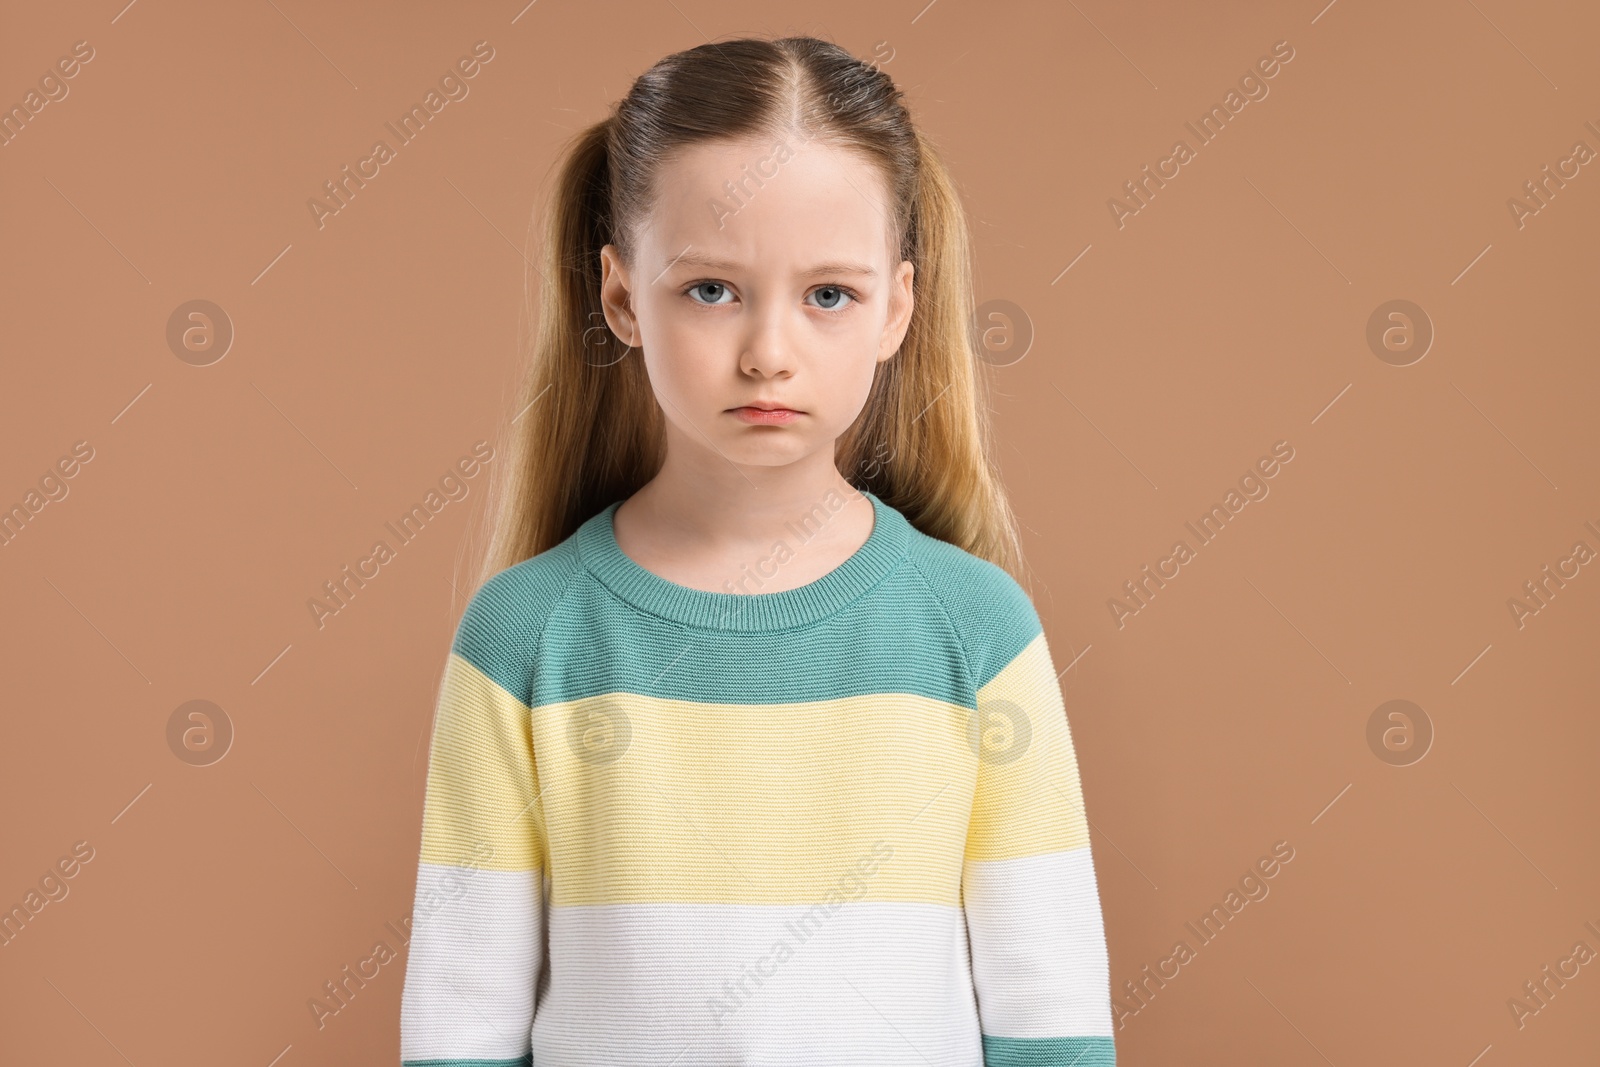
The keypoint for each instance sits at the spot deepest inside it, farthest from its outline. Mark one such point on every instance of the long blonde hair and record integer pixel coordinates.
(587, 429)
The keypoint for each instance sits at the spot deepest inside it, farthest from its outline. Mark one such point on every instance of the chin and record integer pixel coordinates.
(775, 453)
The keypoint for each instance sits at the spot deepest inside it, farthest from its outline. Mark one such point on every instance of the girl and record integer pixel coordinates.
(750, 748)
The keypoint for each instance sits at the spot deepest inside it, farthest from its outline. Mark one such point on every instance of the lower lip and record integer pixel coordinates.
(758, 417)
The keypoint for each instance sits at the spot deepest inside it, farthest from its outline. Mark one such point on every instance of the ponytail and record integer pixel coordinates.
(922, 442)
(585, 428)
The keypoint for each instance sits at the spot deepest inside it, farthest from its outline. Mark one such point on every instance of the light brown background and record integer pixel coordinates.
(1229, 314)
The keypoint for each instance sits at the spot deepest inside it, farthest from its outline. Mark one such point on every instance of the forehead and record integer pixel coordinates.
(776, 200)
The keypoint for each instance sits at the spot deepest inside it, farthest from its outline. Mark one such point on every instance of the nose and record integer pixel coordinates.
(767, 350)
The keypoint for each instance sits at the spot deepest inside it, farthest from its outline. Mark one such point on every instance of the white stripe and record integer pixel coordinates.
(476, 946)
(880, 982)
(1038, 945)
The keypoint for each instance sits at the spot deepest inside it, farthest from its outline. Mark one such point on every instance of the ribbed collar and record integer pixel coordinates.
(885, 547)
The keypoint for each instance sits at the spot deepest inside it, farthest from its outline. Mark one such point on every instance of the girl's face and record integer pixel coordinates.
(764, 277)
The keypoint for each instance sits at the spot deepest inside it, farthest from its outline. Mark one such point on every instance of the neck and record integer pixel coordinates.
(737, 509)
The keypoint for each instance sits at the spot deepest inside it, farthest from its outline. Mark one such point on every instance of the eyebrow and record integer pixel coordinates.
(700, 259)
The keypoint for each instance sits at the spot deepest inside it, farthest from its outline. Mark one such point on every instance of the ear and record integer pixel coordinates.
(615, 290)
(902, 299)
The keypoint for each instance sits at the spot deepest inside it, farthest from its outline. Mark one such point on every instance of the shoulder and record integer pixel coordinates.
(991, 613)
(505, 619)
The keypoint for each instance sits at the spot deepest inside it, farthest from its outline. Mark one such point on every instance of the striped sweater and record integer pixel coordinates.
(832, 825)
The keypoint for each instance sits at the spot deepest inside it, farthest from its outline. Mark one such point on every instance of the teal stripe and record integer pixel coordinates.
(1048, 1052)
(993, 614)
(941, 625)
(499, 632)
(525, 1060)
(748, 603)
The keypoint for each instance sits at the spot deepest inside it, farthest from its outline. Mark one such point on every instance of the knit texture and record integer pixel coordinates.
(833, 825)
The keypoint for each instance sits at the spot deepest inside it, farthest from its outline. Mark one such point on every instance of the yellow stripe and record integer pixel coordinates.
(481, 777)
(1029, 798)
(652, 800)
(758, 804)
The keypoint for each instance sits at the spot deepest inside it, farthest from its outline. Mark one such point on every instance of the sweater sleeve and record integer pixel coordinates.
(1032, 906)
(478, 923)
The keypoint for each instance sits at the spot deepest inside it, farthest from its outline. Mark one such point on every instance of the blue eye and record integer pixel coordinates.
(835, 292)
(708, 285)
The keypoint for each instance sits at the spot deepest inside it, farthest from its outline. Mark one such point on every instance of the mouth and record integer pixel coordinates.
(764, 415)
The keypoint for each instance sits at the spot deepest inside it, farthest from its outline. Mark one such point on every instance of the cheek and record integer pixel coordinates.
(860, 378)
(847, 349)
(681, 358)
